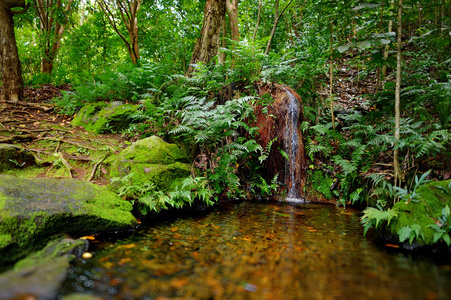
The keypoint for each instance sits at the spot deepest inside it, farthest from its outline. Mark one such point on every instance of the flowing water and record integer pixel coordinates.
(257, 251)
(291, 145)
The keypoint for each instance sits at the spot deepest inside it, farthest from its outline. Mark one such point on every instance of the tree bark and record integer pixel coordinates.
(397, 169)
(208, 43)
(52, 29)
(128, 10)
(258, 19)
(390, 28)
(10, 68)
(232, 12)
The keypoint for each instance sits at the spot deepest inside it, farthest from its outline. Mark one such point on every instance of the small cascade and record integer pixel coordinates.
(292, 144)
(278, 124)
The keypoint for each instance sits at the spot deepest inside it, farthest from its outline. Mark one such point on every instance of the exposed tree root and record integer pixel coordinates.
(94, 168)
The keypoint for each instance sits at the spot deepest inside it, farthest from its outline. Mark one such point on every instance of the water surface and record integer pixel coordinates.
(258, 251)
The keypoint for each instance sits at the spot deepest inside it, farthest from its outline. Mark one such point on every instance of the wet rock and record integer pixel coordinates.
(151, 160)
(13, 157)
(40, 275)
(102, 118)
(40, 281)
(279, 114)
(32, 211)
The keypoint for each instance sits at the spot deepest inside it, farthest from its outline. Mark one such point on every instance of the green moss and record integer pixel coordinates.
(150, 160)
(424, 213)
(99, 118)
(53, 250)
(35, 210)
(5, 240)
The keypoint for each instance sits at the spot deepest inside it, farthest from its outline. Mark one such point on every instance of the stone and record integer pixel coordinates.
(279, 114)
(39, 281)
(151, 160)
(13, 157)
(32, 211)
(103, 118)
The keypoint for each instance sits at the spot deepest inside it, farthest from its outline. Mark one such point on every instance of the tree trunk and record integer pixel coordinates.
(232, 12)
(390, 28)
(208, 43)
(258, 19)
(52, 29)
(10, 69)
(276, 21)
(397, 169)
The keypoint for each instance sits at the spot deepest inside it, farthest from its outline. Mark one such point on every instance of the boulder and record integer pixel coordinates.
(32, 211)
(12, 157)
(103, 118)
(279, 114)
(151, 160)
(40, 275)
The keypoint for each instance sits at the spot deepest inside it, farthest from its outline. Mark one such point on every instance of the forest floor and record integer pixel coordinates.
(63, 150)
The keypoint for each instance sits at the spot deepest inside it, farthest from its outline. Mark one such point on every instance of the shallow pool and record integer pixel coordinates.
(258, 251)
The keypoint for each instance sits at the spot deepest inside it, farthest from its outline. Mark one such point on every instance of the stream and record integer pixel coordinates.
(257, 251)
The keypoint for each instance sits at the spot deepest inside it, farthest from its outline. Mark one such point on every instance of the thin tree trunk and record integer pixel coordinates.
(331, 77)
(397, 169)
(276, 21)
(10, 68)
(258, 19)
(222, 55)
(207, 44)
(390, 28)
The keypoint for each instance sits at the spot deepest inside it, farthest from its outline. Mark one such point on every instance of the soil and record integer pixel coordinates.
(63, 149)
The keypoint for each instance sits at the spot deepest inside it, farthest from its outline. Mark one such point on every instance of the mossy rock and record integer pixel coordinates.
(151, 160)
(425, 212)
(39, 281)
(32, 211)
(103, 118)
(13, 157)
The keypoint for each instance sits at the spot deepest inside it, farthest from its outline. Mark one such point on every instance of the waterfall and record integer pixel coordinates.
(292, 143)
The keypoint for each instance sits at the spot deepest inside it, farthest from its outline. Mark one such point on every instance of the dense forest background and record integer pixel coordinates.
(374, 78)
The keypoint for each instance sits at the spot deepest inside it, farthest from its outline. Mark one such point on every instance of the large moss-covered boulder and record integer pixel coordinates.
(102, 118)
(32, 211)
(12, 157)
(421, 214)
(151, 160)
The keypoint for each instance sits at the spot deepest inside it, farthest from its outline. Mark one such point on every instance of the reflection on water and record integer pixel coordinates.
(258, 251)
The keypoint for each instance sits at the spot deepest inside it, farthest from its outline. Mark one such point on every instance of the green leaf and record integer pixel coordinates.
(363, 45)
(446, 211)
(404, 233)
(344, 48)
(447, 239)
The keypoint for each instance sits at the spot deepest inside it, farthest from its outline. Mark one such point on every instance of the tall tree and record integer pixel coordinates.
(208, 43)
(127, 12)
(53, 17)
(397, 169)
(10, 69)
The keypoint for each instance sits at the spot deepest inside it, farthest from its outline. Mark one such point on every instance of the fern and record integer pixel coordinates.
(373, 217)
(410, 232)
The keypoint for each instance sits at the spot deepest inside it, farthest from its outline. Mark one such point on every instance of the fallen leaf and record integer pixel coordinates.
(88, 237)
(124, 260)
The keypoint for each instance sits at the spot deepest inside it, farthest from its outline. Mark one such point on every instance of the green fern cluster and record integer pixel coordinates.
(150, 198)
